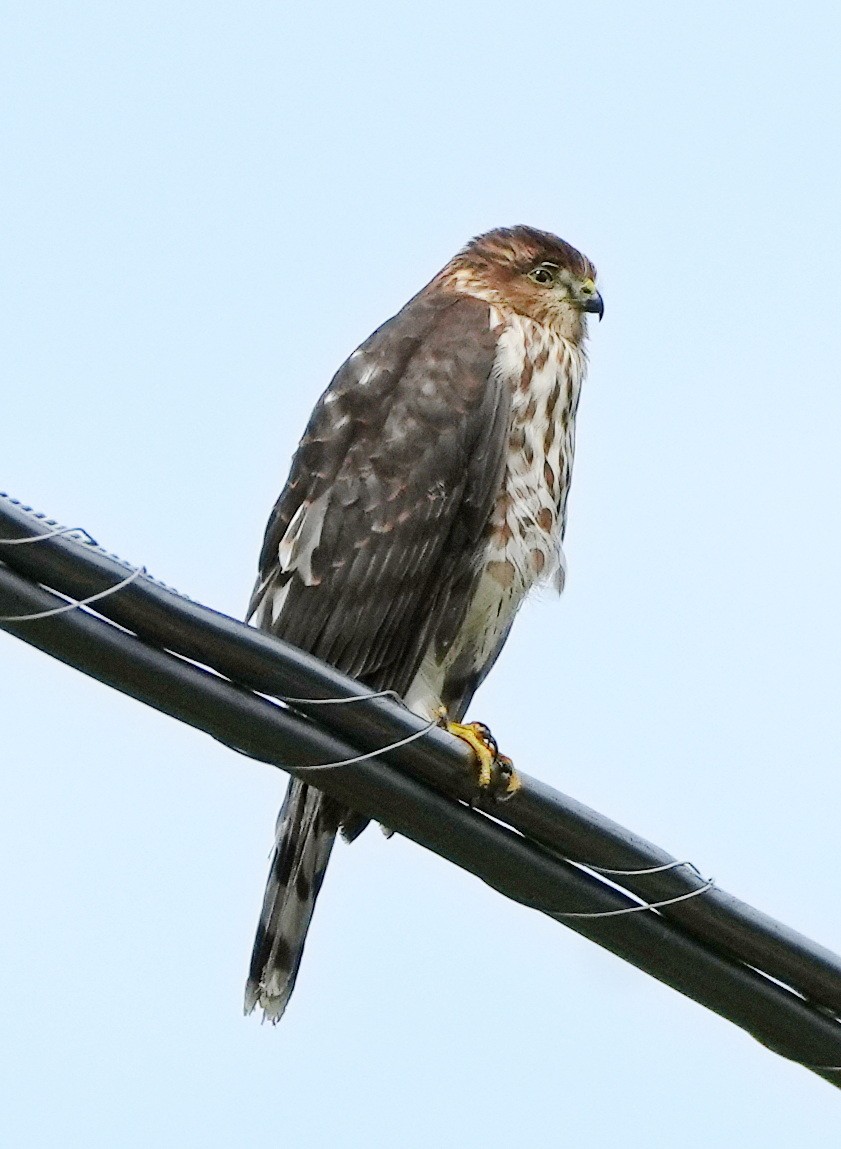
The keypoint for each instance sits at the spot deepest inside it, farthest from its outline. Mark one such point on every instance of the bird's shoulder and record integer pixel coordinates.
(408, 383)
(437, 335)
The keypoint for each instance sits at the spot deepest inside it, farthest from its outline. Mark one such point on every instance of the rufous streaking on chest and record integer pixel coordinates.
(543, 370)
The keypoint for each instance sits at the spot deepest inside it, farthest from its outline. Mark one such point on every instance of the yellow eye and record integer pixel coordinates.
(544, 274)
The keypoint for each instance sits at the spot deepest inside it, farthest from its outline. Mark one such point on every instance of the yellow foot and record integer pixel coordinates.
(496, 771)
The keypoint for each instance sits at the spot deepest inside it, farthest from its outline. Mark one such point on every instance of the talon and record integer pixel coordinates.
(508, 776)
(496, 771)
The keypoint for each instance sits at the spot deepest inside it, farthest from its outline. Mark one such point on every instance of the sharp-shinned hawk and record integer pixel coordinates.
(426, 498)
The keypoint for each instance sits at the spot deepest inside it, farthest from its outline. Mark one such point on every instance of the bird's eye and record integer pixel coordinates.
(544, 275)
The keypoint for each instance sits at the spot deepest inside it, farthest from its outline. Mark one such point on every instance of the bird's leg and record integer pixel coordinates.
(496, 771)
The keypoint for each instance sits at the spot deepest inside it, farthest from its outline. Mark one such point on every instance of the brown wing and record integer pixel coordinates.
(378, 533)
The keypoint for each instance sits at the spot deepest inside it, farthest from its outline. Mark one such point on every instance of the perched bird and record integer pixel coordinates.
(426, 498)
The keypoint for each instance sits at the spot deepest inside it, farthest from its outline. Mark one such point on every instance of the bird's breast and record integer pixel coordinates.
(522, 542)
(544, 373)
(523, 539)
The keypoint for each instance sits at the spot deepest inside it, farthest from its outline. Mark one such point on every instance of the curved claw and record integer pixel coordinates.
(509, 780)
(496, 771)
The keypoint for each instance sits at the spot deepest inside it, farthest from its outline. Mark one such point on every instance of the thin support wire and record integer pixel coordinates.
(50, 534)
(708, 885)
(373, 753)
(356, 758)
(74, 604)
(646, 870)
(338, 701)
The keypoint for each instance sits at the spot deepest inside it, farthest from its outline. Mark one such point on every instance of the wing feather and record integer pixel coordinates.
(375, 541)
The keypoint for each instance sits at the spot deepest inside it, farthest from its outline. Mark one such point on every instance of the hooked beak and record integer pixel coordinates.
(595, 304)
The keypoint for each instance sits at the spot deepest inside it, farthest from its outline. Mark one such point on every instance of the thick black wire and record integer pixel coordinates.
(515, 867)
(543, 815)
(82, 570)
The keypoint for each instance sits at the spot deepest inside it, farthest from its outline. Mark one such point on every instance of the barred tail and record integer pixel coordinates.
(306, 829)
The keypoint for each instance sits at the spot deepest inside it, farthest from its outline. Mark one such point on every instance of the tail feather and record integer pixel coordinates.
(306, 830)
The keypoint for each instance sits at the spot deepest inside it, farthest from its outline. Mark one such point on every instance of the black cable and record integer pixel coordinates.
(260, 662)
(516, 867)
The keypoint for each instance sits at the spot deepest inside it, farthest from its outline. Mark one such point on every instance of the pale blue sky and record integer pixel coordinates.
(205, 207)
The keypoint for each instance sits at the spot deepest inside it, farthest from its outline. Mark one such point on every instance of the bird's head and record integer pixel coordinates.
(531, 272)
